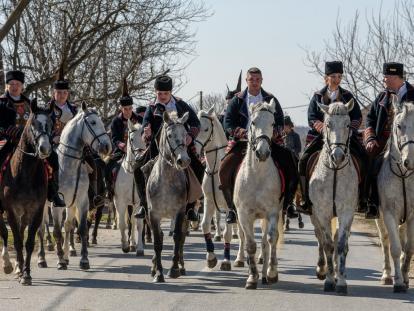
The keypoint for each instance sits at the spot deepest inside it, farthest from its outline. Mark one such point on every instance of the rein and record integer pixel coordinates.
(34, 142)
(254, 141)
(172, 150)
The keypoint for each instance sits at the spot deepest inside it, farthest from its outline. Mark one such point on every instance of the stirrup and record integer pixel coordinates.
(231, 217)
(305, 208)
(372, 212)
(192, 215)
(141, 214)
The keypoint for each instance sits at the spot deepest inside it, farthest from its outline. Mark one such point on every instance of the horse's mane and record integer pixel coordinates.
(338, 108)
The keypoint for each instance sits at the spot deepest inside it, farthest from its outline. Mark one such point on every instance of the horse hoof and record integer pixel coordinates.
(26, 280)
(174, 273)
(42, 264)
(235, 236)
(400, 288)
(94, 241)
(217, 238)
(84, 265)
(212, 263)
(238, 264)
(329, 287)
(153, 273)
(320, 276)
(264, 281)
(67, 261)
(301, 225)
(170, 233)
(159, 279)
(72, 253)
(387, 281)
(77, 240)
(114, 227)
(273, 279)
(260, 261)
(183, 271)
(251, 285)
(148, 240)
(341, 289)
(287, 228)
(132, 248)
(139, 253)
(51, 248)
(62, 266)
(407, 284)
(8, 269)
(225, 266)
(125, 249)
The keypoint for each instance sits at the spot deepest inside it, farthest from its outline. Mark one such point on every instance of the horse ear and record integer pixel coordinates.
(184, 118)
(324, 108)
(166, 117)
(211, 111)
(350, 105)
(394, 101)
(33, 105)
(272, 105)
(83, 106)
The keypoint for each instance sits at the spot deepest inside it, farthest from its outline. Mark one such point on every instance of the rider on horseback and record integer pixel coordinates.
(152, 123)
(378, 126)
(331, 93)
(236, 123)
(119, 130)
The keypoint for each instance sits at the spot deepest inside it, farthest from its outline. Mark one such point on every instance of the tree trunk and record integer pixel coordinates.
(2, 73)
(13, 18)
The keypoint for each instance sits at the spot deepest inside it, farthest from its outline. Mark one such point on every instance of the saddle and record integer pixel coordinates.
(313, 159)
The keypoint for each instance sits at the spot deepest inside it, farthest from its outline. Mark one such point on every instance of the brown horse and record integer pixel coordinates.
(24, 189)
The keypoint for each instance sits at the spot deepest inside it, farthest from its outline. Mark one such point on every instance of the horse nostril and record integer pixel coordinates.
(406, 163)
(179, 162)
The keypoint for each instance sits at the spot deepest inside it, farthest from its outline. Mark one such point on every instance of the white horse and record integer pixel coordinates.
(396, 181)
(333, 190)
(212, 140)
(167, 193)
(257, 194)
(85, 129)
(126, 195)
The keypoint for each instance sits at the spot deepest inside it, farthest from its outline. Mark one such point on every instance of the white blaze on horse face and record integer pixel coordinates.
(41, 128)
(337, 133)
(404, 130)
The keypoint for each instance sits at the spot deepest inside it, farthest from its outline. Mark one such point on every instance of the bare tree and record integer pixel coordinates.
(13, 18)
(215, 100)
(363, 50)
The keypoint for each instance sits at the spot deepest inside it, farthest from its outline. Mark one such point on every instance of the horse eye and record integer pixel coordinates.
(254, 124)
(399, 126)
(93, 122)
(206, 130)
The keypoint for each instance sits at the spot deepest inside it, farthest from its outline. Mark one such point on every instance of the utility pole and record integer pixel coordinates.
(201, 100)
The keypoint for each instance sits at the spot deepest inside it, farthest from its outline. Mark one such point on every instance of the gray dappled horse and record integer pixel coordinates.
(24, 189)
(84, 129)
(167, 193)
(396, 181)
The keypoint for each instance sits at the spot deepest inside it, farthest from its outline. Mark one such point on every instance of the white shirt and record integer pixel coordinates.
(251, 100)
(332, 95)
(401, 92)
(170, 106)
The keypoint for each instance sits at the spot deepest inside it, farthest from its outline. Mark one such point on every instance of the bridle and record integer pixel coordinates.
(254, 141)
(209, 139)
(171, 148)
(91, 131)
(136, 152)
(36, 138)
(343, 146)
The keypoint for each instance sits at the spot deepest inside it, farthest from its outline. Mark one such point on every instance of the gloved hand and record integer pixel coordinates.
(240, 133)
(122, 146)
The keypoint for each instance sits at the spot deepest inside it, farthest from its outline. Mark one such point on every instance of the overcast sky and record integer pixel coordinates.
(269, 34)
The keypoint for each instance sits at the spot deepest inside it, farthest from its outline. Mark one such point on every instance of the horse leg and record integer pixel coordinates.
(18, 243)
(70, 215)
(41, 261)
(300, 221)
(408, 250)
(121, 212)
(178, 226)
(239, 262)
(263, 243)
(7, 265)
(140, 237)
(321, 264)
(328, 246)
(98, 217)
(342, 237)
(182, 241)
(133, 225)
(83, 231)
(148, 234)
(227, 234)
(156, 271)
(235, 231)
(395, 247)
(386, 278)
(264, 224)
(248, 229)
(218, 233)
(171, 228)
(57, 214)
(272, 239)
(206, 226)
(26, 278)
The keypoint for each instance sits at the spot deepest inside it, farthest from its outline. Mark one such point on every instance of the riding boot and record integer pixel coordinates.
(288, 206)
(53, 191)
(373, 201)
(192, 215)
(232, 214)
(140, 184)
(305, 206)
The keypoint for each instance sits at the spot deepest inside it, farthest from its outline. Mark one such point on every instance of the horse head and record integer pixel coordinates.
(403, 131)
(173, 141)
(95, 136)
(135, 143)
(261, 128)
(337, 130)
(205, 135)
(39, 129)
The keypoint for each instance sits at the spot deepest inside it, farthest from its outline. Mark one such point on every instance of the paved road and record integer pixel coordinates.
(122, 281)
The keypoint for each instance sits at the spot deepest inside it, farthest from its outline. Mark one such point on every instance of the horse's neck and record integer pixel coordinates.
(22, 163)
(128, 159)
(213, 158)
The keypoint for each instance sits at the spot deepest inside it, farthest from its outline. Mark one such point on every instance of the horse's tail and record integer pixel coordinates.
(334, 226)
